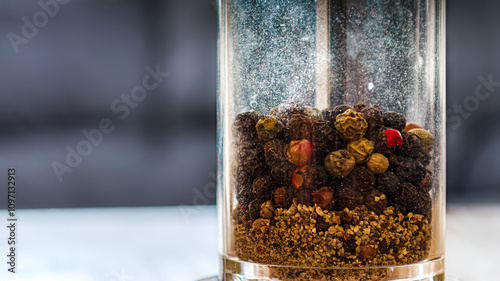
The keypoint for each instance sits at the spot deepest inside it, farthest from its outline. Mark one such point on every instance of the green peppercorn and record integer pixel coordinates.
(340, 163)
(351, 124)
(268, 128)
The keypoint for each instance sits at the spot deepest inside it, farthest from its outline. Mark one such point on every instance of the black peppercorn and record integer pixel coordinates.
(379, 140)
(250, 163)
(348, 198)
(254, 209)
(285, 110)
(304, 197)
(406, 194)
(399, 209)
(361, 179)
(299, 127)
(412, 145)
(244, 127)
(274, 153)
(263, 187)
(330, 114)
(244, 197)
(321, 224)
(325, 139)
(388, 183)
(394, 120)
(375, 201)
(426, 184)
(421, 204)
(410, 170)
(374, 117)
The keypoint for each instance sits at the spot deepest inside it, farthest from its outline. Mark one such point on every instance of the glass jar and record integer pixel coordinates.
(331, 139)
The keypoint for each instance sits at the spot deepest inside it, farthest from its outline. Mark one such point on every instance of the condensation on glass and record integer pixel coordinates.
(331, 139)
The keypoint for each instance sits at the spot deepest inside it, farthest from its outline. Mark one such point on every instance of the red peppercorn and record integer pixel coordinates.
(394, 137)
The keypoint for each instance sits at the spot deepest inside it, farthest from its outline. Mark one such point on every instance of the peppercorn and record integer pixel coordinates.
(348, 198)
(393, 161)
(268, 128)
(298, 127)
(267, 210)
(411, 126)
(244, 127)
(330, 114)
(282, 197)
(245, 197)
(261, 225)
(361, 179)
(237, 215)
(394, 138)
(388, 184)
(325, 138)
(299, 152)
(304, 197)
(254, 209)
(377, 163)
(375, 201)
(379, 140)
(263, 187)
(313, 113)
(394, 120)
(360, 149)
(424, 158)
(374, 118)
(406, 194)
(421, 204)
(367, 253)
(359, 107)
(273, 153)
(308, 177)
(426, 184)
(410, 170)
(412, 145)
(285, 110)
(282, 175)
(323, 197)
(321, 224)
(340, 163)
(250, 163)
(348, 218)
(427, 139)
(399, 209)
(351, 124)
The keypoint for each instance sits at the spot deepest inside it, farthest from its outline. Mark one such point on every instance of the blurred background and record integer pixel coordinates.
(81, 65)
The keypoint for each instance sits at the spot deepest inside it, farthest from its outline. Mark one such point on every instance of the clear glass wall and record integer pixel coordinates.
(331, 139)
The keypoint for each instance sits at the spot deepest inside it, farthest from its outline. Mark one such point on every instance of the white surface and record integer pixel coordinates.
(160, 244)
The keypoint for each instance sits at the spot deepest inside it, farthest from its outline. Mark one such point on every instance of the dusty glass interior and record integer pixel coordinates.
(331, 140)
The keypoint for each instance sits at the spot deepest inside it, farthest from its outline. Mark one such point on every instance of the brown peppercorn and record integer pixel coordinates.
(268, 128)
(351, 124)
(282, 197)
(367, 253)
(360, 149)
(377, 163)
(348, 198)
(244, 127)
(412, 145)
(340, 163)
(427, 139)
(330, 114)
(374, 118)
(263, 187)
(267, 210)
(299, 152)
(323, 197)
(375, 201)
(406, 194)
(361, 179)
(388, 183)
(299, 127)
(394, 120)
